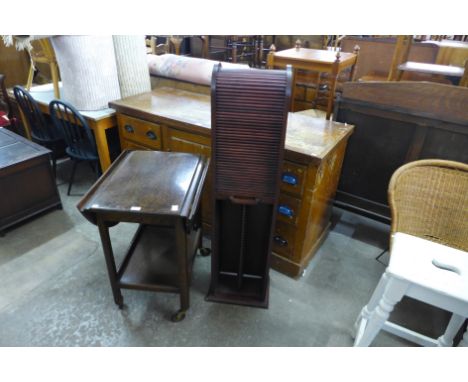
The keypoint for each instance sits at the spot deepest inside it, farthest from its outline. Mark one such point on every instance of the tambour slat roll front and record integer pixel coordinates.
(248, 121)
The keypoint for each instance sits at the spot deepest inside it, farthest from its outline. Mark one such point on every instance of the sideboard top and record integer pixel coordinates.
(307, 137)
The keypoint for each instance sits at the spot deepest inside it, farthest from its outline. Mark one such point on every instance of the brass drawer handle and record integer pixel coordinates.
(129, 128)
(151, 135)
(280, 241)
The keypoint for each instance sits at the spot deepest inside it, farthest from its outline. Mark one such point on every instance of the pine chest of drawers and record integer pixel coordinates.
(177, 120)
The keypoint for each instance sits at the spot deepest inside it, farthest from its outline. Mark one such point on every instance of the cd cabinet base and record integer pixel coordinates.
(254, 291)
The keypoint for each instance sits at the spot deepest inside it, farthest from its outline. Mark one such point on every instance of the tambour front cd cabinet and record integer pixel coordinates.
(249, 110)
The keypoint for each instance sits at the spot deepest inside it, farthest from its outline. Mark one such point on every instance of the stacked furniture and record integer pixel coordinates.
(176, 116)
(249, 115)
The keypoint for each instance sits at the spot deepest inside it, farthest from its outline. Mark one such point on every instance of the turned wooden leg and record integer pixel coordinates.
(333, 78)
(394, 292)
(464, 340)
(177, 41)
(452, 328)
(371, 305)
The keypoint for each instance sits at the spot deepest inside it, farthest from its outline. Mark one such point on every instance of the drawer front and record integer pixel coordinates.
(293, 178)
(140, 131)
(283, 239)
(181, 141)
(288, 209)
(134, 146)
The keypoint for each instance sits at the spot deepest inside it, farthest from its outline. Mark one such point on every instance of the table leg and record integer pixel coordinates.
(102, 148)
(177, 41)
(110, 262)
(294, 91)
(333, 77)
(182, 263)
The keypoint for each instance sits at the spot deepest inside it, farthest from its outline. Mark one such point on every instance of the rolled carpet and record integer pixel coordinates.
(88, 70)
(132, 65)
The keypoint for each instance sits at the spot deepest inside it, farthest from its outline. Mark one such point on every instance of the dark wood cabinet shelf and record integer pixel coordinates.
(243, 291)
(151, 261)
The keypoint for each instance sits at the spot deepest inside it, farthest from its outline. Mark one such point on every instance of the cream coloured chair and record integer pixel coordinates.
(428, 254)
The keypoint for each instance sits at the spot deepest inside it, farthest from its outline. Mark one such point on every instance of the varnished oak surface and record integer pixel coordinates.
(315, 56)
(169, 104)
(313, 137)
(307, 138)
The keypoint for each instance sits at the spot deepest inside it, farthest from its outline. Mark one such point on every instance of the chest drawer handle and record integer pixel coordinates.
(129, 128)
(289, 178)
(280, 241)
(151, 135)
(285, 210)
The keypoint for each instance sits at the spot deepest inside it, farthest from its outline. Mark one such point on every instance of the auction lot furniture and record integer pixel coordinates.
(99, 121)
(161, 192)
(314, 60)
(249, 115)
(428, 254)
(171, 119)
(396, 123)
(23, 164)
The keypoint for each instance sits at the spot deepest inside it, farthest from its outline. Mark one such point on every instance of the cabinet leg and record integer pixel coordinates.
(110, 262)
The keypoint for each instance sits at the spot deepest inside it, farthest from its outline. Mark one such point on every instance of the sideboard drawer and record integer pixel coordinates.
(292, 178)
(140, 131)
(133, 146)
(288, 209)
(283, 239)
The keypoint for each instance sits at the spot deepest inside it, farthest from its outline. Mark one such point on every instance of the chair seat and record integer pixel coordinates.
(430, 265)
(86, 154)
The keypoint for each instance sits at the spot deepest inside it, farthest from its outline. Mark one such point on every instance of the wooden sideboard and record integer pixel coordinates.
(172, 119)
(396, 123)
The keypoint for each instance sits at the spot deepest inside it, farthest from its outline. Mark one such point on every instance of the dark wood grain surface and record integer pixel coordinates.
(396, 123)
(146, 182)
(23, 164)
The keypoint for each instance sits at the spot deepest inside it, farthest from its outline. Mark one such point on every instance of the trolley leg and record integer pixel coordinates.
(110, 262)
(182, 263)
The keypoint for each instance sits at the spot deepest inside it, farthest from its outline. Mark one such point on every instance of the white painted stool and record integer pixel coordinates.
(424, 270)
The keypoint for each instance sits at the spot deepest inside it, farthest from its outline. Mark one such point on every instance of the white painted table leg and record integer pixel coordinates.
(371, 305)
(452, 328)
(394, 292)
(464, 340)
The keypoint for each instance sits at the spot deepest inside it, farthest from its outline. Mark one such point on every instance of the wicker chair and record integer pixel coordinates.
(428, 256)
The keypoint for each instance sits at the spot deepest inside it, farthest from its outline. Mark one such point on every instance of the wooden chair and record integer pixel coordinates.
(428, 255)
(400, 64)
(45, 55)
(5, 104)
(81, 146)
(39, 129)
